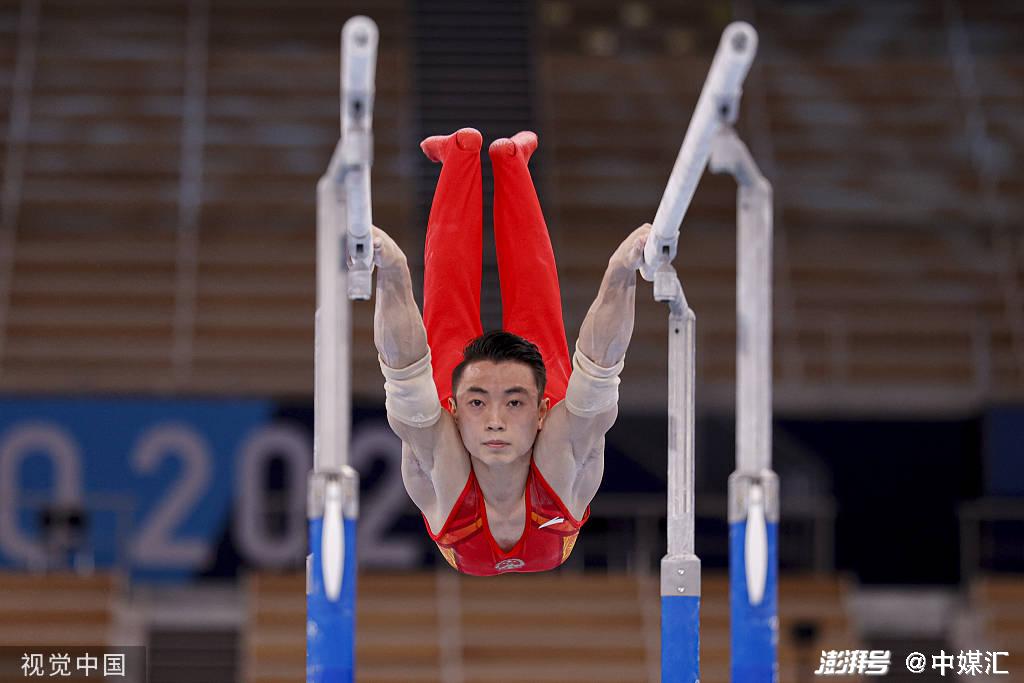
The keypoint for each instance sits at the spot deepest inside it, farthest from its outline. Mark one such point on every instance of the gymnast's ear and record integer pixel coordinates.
(451, 405)
(542, 411)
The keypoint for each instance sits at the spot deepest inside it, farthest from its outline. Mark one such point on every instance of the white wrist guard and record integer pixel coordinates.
(592, 389)
(411, 395)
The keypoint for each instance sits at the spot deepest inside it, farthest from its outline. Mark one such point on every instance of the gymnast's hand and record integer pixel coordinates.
(630, 253)
(386, 254)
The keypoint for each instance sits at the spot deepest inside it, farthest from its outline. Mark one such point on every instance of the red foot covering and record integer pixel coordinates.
(466, 542)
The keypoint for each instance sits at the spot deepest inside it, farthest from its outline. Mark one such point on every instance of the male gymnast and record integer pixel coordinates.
(502, 468)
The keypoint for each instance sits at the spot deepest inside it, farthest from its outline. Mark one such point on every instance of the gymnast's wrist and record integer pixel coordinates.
(619, 271)
(396, 267)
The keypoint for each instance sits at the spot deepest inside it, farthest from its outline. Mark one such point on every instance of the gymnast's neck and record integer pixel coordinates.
(503, 484)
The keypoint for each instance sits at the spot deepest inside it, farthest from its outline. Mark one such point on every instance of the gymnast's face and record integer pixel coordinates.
(497, 410)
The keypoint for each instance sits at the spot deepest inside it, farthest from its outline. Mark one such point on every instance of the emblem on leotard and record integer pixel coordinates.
(513, 563)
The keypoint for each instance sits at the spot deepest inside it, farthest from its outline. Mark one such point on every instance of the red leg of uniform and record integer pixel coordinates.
(453, 252)
(530, 297)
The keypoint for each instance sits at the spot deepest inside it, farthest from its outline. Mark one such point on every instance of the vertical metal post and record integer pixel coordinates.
(680, 568)
(753, 486)
(344, 265)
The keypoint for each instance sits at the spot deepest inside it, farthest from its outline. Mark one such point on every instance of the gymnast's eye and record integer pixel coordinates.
(476, 402)
(515, 403)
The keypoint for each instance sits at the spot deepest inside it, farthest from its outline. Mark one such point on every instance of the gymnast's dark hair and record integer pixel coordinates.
(498, 346)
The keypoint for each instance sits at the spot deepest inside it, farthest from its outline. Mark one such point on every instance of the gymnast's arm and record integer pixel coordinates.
(591, 403)
(398, 330)
(608, 327)
(414, 412)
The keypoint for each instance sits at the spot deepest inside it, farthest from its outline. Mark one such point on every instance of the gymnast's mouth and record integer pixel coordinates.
(496, 444)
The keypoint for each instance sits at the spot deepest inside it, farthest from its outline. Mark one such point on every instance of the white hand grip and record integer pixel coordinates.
(756, 546)
(332, 544)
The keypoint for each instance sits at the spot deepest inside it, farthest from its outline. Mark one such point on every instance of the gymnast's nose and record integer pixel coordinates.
(494, 421)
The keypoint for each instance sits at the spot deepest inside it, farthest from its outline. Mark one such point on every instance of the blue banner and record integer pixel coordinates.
(155, 478)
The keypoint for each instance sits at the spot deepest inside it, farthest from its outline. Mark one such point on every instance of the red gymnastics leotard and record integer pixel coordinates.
(466, 542)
